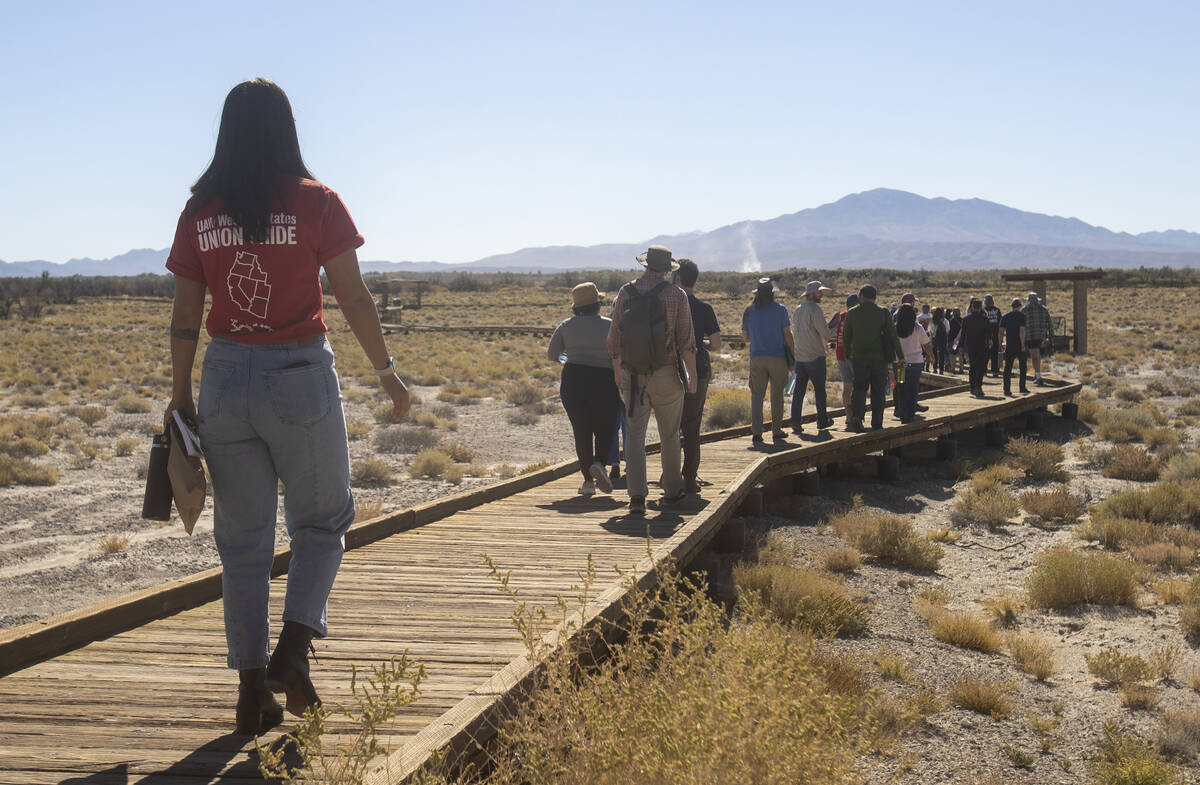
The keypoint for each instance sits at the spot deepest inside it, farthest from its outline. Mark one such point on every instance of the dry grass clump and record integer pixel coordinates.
(727, 408)
(113, 543)
(1129, 462)
(687, 697)
(1181, 467)
(889, 538)
(358, 428)
(1033, 654)
(802, 598)
(1114, 668)
(991, 507)
(372, 471)
(405, 439)
(1189, 614)
(458, 453)
(1123, 759)
(1129, 425)
(429, 419)
(1179, 733)
(1037, 459)
(461, 395)
(1165, 555)
(843, 558)
(133, 404)
(1193, 679)
(430, 463)
(1064, 578)
(19, 471)
(1164, 661)
(524, 393)
(1171, 591)
(892, 666)
(90, 415)
(1003, 610)
(24, 447)
(965, 630)
(125, 445)
(983, 696)
(365, 511)
(1189, 408)
(1163, 502)
(1056, 505)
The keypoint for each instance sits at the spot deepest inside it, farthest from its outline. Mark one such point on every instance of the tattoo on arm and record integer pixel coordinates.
(185, 333)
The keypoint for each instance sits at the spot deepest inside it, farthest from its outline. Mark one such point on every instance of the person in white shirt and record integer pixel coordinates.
(917, 347)
(811, 336)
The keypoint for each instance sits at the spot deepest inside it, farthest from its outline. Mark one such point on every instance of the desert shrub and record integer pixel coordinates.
(19, 471)
(1129, 425)
(994, 476)
(1164, 661)
(1115, 533)
(113, 543)
(430, 463)
(1163, 441)
(1063, 578)
(1037, 459)
(983, 696)
(1056, 505)
(1129, 394)
(1125, 760)
(429, 419)
(889, 538)
(24, 447)
(1003, 610)
(524, 393)
(1179, 733)
(1115, 668)
(90, 415)
(841, 559)
(1171, 591)
(372, 471)
(891, 665)
(1163, 502)
(1189, 408)
(458, 453)
(1181, 467)
(365, 511)
(802, 598)
(1128, 462)
(689, 696)
(965, 630)
(1033, 654)
(991, 507)
(357, 428)
(522, 416)
(1165, 555)
(125, 445)
(133, 404)
(461, 395)
(727, 408)
(1142, 697)
(405, 439)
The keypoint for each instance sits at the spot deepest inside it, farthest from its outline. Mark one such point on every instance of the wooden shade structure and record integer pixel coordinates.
(1079, 278)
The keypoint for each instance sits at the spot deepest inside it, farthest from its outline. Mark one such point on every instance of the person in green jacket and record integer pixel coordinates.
(871, 345)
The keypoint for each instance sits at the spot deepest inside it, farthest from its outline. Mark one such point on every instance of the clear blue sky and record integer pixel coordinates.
(455, 130)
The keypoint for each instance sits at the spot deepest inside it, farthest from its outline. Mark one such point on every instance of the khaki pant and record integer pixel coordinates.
(767, 372)
(662, 393)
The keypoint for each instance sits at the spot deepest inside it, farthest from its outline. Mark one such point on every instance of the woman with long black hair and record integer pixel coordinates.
(916, 345)
(256, 234)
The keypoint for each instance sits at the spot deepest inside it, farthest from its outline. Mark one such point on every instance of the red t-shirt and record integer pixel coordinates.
(839, 345)
(265, 292)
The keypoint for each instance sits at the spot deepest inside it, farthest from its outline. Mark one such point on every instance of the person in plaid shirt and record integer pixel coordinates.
(1037, 333)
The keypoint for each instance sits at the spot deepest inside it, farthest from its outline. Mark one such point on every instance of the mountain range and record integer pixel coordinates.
(879, 228)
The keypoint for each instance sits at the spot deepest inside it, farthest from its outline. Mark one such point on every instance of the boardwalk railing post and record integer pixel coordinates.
(1035, 421)
(1070, 410)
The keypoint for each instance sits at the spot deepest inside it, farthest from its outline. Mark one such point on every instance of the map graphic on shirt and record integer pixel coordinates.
(248, 287)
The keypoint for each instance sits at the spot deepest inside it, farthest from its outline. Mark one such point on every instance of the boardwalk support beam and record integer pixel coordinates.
(947, 448)
(1035, 421)
(807, 484)
(888, 467)
(993, 435)
(1070, 411)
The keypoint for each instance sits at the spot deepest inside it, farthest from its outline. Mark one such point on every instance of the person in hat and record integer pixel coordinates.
(704, 322)
(1013, 326)
(589, 393)
(766, 327)
(976, 337)
(810, 336)
(871, 345)
(1038, 329)
(256, 234)
(652, 344)
(845, 367)
(993, 316)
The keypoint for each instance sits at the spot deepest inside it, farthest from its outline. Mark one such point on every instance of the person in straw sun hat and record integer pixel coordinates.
(811, 336)
(588, 391)
(653, 349)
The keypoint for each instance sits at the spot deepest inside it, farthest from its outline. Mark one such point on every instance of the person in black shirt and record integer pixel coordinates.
(977, 337)
(954, 337)
(1013, 325)
(704, 320)
(993, 315)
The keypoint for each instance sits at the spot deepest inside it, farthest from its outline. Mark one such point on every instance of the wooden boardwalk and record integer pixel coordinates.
(136, 690)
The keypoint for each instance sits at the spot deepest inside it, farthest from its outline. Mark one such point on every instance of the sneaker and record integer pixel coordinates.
(673, 499)
(824, 425)
(1025, 390)
(757, 439)
(922, 407)
(853, 426)
(637, 505)
(600, 477)
(588, 488)
(1039, 383)
(778, 436)
(691, 484)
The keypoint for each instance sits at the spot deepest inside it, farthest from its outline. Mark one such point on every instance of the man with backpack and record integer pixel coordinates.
(653, 349)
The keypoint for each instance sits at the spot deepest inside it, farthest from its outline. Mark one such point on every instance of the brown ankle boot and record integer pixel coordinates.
(288, 670)
(257, 709)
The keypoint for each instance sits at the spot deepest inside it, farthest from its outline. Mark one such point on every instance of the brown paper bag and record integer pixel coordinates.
(188, 483)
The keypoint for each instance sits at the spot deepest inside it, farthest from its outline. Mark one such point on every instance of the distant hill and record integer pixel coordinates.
(879, 228)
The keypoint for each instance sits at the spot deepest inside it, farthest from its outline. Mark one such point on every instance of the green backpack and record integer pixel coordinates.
(644, 331)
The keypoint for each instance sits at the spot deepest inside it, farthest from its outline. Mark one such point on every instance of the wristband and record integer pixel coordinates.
(388, 369)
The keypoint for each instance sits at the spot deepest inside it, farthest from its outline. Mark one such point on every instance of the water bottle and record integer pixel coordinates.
(156, 504)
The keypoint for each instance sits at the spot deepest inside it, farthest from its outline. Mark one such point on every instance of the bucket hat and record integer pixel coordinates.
(814, 287)
(586, 293)
(658, 257)
(764, 285)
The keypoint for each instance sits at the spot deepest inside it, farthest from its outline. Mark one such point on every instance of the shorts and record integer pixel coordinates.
(846, 369)
(1030, 344)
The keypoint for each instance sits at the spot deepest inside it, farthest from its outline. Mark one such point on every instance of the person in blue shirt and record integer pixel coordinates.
(767, 328)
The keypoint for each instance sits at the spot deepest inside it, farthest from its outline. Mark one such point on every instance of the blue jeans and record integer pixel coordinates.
(907, 394)
(271, 413)
(814, 371)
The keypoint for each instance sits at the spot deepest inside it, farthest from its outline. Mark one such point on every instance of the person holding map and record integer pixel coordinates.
(256, 234)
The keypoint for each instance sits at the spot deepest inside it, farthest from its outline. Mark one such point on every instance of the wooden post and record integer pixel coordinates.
(1039, 287)
(1080, 318)
(420, 290)
(383, 295)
